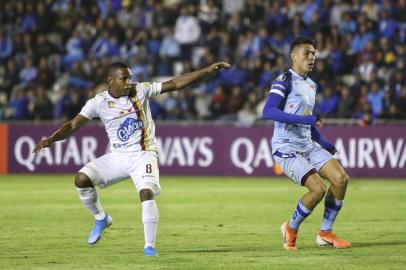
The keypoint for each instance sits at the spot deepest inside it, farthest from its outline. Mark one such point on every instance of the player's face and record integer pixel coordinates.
(119, 82)
(303, 58)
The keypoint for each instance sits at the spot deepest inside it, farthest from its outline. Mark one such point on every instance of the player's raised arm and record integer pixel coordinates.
(186, 79)
(63, 132)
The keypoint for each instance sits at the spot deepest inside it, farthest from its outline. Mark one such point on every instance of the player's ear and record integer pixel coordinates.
(292, 55)
(109, 79)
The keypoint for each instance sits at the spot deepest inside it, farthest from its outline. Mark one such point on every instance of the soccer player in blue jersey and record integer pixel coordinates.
(302, 152)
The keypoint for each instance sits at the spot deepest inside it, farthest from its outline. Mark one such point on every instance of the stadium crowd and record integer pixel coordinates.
(54, 54)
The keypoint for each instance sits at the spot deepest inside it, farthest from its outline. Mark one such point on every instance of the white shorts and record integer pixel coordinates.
(114, 167)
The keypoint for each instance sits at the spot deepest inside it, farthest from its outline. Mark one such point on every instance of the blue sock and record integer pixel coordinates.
(299, 215)
(332, 207)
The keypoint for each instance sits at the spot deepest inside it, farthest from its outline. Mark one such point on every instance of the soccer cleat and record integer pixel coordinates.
(289, 237)
(98, 228)
(328, 238)
(150, 252)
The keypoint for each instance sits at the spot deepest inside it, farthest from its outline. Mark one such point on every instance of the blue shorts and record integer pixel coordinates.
(296, 165)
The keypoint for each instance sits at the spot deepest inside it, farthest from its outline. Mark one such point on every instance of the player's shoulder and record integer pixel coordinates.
(144, 85)
(283, 78)
(283, 82)
(100, 96)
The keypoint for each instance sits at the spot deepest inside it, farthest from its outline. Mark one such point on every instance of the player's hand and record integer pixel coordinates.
(333, 151)
(42, 144)
(319, 123)
(218, 66)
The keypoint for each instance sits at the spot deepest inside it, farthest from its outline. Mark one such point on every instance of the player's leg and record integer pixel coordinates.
(145, 175)
(336, 175)
(88, 195)
(304, 208)
(101, 172)
(331, 170)
(301, 172)
(150, 219)
(316, 191)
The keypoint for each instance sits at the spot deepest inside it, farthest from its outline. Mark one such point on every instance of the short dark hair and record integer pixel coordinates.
(300, 41)
(114, 66)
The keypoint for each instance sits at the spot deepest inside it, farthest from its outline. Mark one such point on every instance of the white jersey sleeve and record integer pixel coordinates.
(90, 109)
(149, 88)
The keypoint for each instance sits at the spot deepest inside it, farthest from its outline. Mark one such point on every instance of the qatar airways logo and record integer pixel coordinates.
(128, 128)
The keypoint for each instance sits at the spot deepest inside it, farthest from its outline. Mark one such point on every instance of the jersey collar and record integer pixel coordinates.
(294, 73)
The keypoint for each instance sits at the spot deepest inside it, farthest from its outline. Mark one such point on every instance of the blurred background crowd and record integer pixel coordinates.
(54, 54)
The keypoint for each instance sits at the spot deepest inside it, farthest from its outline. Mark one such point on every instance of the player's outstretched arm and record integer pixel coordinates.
(186, 79)
(63, 132)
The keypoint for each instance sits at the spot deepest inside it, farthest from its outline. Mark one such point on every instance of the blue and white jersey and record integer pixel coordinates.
(127, 120)
(298, 97)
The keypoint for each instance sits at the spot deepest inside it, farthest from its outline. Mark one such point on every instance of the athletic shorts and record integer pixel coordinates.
(296, 165)
(114, 167)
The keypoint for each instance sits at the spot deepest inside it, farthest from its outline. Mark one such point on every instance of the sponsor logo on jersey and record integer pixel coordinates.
(111, 104)
(128, 128)
(281, 77)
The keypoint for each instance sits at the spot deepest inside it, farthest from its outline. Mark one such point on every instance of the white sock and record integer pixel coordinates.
(150, 218)
(90, 200)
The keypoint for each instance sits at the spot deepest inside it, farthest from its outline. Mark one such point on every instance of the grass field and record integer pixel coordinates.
(205, 223)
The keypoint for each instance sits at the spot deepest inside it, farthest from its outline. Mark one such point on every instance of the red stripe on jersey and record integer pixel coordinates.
(138, 112)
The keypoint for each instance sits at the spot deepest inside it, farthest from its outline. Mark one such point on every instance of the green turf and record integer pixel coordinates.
(206, 223)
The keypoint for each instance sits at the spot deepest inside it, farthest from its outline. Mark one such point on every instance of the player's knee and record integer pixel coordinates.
(319, 192)
(82, 180)
(341, 180)
(146, 194)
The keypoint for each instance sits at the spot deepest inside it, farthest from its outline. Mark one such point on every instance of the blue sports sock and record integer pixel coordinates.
(299, 215)
(332, 207)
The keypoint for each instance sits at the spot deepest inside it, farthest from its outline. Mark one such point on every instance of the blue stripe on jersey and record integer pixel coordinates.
(278, 86)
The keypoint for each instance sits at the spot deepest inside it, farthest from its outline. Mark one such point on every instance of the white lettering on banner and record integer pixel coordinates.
(353, 153)
(89, 146)
(29, 159)
(184, 151)
(176, 153)
(365, 148)
(403, 159)
(58, 151)
(388, 152)
(190, 149)
(206, 152)
(253, 157)
(264, 153)
(44, 153)
(249, 156)
(371, 152)
(72, 151)
(55, 155)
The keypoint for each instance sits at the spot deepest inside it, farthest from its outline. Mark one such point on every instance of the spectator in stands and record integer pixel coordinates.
(56, 34)
(187, 31)
(29, 73)
(346, 105)
(366, 116)
(328, 104)
(6, 46)
(375, 98)
(41, 108)
(18, 105)
(387, 26)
